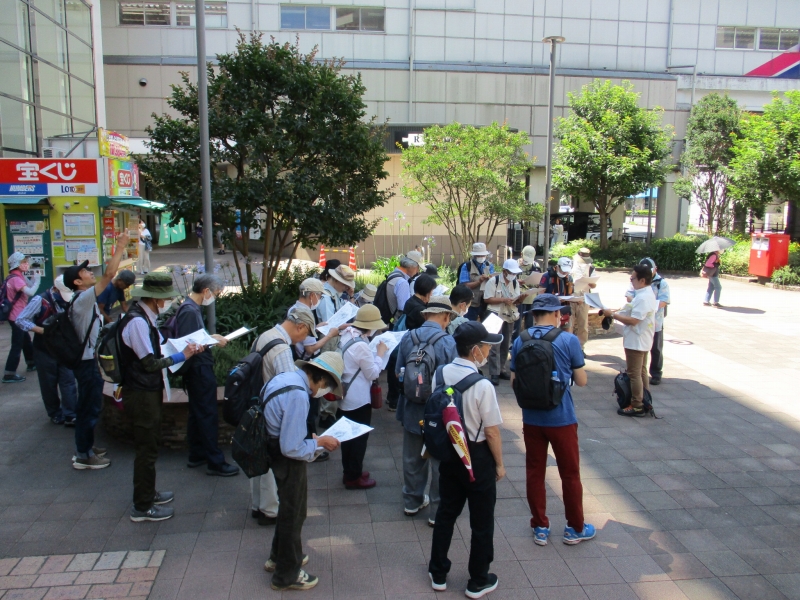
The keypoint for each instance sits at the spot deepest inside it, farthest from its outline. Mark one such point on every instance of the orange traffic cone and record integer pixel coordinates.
(352, 264)
(322, 260)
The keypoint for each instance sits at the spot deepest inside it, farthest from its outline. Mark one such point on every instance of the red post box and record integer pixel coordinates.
(768, 252)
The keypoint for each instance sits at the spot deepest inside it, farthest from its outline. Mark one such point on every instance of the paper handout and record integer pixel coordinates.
(344, 429)
(342, 316)
(439, 290)
(582, 285)
(238, 333)
(493, 323)
(593, 300)
(391, 339)
(533, 279)
(173, 346)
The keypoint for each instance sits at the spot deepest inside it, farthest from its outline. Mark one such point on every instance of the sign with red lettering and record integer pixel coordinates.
(123, 178)
(49, 177)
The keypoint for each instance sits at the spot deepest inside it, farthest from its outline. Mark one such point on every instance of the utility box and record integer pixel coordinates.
(768, 252)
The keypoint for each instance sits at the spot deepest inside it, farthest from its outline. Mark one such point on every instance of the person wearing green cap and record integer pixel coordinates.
(143, 389)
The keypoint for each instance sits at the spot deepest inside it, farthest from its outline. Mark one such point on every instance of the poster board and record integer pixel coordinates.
(83, 245)
(80, 224)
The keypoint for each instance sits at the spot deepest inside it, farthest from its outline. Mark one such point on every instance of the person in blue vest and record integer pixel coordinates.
(474, 275)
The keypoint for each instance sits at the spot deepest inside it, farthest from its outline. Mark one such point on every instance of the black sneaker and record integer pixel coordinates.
(31, 368)
(154, 513)
(265, 521)
(655, 380)
(438, 584)
(223, 470)
(322, 457)
(495, 381)
(474, 591)
(505, 376)
(630, 411)
(59, 420)
(13, 378)
(193, 464)
(69, 421)
(305, 581)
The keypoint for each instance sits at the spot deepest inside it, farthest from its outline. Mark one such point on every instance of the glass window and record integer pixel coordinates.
(53, 88)
(14, 25)
(15, 72)
(156, 12)
(79, 20)
(293, 17)
(789, 38)
(745, 38)
(82, 101)
(216, 14)
(53, 124)
(80, 59)
(347, 19)
(131, 13)
(372, 19)
(17, 125)
(768, 39)
(52, 8)
(318, 17)
(725, 37)
(51, 42)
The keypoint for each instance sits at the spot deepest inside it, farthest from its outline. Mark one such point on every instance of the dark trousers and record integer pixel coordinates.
(145, 409)
(395, 388)
(90, 401)
(565, 446)
(525, 320)
(20, 344)
(353, 451)
(311, 419)
(202, 427)
(454, 490)
(657, 355)
(287, 546)
(52, 378)
(474, 312)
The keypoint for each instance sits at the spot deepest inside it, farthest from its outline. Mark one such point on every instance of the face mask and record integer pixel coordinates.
(209, 301)
(482, 362)
(562, 275)
(511, 278)
(315, 305)
(480, 259)
(321, 392)
(165, 308)
(463, 313)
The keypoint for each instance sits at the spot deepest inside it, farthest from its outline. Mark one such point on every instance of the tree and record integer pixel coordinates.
(609, 148)
(713, 125)
(291, 154)
(766, 156)
(472, 179)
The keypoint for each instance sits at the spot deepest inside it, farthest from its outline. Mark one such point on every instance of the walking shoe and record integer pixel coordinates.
(505, 376)
(163, 498)
(98, 452)
(630, 411)
(305, 581)
(93, 462)
(480, 591)
(266, 521)
(655, 380)
(270, 565)
(13, 378)
(438, 586)
(223, 470)
(431, 523)
(31, 368)
(255, 513)
(571, 537)
(323, 456)
(706, 303)
(192, 464)
(540, 535)
(59, 420)
(410, 512)
(391, 407)
(364, 474)
(69, 421)
(715, 305)
(154, 513)
(495, 381)
(362, 483)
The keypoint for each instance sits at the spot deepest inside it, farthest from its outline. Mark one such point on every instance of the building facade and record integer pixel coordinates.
(474, 61)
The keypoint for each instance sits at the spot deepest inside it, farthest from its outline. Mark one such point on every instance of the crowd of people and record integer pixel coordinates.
(311, 380)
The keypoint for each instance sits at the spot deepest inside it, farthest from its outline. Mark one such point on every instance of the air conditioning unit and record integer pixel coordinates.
(50, 152)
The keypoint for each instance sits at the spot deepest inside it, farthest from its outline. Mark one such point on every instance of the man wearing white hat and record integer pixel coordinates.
(502, 295)
(528, 264)
(474, 274)
(311, 293)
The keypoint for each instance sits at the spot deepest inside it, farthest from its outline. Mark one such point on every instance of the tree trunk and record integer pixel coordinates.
(739, 219)
(267, 238)
(236, 260)
(602, 209)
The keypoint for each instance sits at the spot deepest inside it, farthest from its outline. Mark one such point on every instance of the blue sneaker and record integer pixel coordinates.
(571, 537)
(540, 535)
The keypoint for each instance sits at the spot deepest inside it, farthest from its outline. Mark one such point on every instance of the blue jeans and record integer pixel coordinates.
(87, 411)
(714, 286)
(20, 344)
(52, 378)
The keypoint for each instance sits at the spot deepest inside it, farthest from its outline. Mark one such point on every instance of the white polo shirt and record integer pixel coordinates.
(479, 401)
(643, 307)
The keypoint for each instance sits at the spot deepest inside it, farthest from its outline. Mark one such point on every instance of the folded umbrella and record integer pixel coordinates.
(452, 422)
(715, 244)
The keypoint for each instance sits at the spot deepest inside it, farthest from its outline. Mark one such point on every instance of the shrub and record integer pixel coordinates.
(736, 260)
(385, 265)
(794, 255)
(786, 276)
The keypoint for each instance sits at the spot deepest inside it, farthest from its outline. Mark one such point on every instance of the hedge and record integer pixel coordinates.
(670, 254)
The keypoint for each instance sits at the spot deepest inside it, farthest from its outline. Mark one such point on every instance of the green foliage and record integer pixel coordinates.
(736, 260)
(671, 254)
(306, 165)
(471, 179)
(794, 255)
(365, 277)
(225, 358)
(609, 148)
(713, 126)
(448, 277)
(786, 276)
(385, 265)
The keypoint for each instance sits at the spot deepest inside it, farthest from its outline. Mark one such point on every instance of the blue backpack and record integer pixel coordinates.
(434, 433)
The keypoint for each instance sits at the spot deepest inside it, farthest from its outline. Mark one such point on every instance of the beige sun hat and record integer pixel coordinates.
(369, 317)
(440, 304)
(312, 284)
(344, 274)
(528, 255)
(331, 362)
(368, 293)
(417, 258)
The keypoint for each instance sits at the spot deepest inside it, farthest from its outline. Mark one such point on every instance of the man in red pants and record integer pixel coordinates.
(557, 427)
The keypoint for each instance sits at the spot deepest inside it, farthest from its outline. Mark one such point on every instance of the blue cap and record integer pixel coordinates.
(546, 302)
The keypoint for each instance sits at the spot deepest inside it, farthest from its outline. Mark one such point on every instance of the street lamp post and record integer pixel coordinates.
(205, 159)
(553, 40)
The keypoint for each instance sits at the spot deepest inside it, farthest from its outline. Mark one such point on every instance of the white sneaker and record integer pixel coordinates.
(270, 565)
(410, 512)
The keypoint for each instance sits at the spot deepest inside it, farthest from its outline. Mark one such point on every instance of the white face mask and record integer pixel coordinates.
(321, 392)
(511, 278)
(463, 313)
(480, 259)
(484, 359)
(209, 301)
(165, 308)
(315, 305)
(562, 275)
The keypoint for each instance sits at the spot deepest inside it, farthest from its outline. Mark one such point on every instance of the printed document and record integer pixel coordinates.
(582, 285)
(439, 290)
(344, 429)
(593, 300)
(178, 344)
(342, 316)
(238, 333)
(493, 323)
(391, 339)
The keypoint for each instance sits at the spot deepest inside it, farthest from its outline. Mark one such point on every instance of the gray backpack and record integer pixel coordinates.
(420, 367)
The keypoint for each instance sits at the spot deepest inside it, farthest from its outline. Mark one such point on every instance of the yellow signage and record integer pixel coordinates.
(112, 144)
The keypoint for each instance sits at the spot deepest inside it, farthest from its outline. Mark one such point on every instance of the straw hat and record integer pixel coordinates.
(155, 285)
(440, 304)
(369, 317)
(331, 362)
(368, 293)
(345, 275)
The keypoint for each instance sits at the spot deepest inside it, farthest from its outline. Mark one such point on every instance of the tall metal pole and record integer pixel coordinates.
(552, 40)
(205, 159)
(649, 215)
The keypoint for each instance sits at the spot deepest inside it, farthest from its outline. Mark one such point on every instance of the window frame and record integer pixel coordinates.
(175, 14)
(758, 33)
(332, 27)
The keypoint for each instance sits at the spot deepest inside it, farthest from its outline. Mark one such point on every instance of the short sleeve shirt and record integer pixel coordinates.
(110, 296)
(479, 401)
(568, 356)
(643, 307)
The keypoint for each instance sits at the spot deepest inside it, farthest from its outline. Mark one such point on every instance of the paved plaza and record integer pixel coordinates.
(702, 504)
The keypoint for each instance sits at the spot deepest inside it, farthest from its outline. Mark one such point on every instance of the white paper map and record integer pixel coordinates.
(238, 333)
(344, 429)
(391, 339)
(342, 316)
(593, 300)
(439, 290)
(178, 344)
(493, 323)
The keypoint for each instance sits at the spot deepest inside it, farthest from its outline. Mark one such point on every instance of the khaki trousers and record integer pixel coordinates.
(580, 321)
(636, 361)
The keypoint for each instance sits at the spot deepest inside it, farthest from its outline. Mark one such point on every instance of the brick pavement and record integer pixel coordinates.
(704, 503)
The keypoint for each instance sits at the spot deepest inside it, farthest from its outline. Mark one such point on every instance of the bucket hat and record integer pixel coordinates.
(155, 285)
(417, 258)
(479, 249)
(440, 304)
(344, 274)
(368, 293)
(369, 317)
(331, 362)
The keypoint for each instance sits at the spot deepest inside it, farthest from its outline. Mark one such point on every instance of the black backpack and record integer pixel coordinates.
(243, 384)
(434, 429)
(62, 341)
(382, 298)
(250, 442)
(109, 343)
(534, 385)
(622, 388)
(420, 365)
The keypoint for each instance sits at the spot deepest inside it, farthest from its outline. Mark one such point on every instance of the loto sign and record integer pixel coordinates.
(49, 177)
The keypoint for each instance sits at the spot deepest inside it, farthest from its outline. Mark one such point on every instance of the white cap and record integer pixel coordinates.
(66, 293)
(512, 266)
(528, 255)
(479, 249)
(565, 264)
